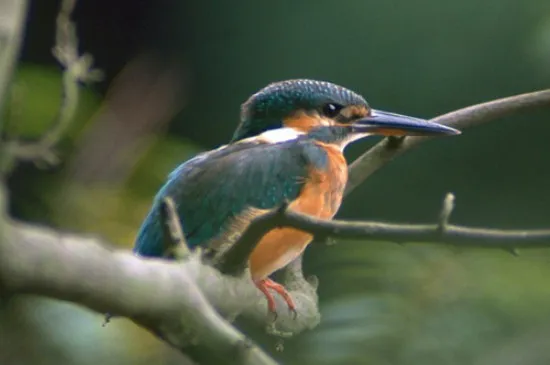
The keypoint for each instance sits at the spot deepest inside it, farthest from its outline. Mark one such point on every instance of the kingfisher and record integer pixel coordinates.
(287, 149)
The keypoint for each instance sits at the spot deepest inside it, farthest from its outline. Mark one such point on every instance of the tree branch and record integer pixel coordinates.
(175, 244)
(440, 232)
(158, 295)
(446, 211)
(12, 21)
(76, 69)
(235, 260)
(389, 148)
(172, 299)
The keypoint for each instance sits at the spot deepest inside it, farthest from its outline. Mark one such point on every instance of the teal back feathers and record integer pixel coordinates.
(215, 187)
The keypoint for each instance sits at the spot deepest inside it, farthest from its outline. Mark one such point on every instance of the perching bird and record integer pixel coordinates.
(288, 147)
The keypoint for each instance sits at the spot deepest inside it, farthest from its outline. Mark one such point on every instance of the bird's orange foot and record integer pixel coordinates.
(264, 286)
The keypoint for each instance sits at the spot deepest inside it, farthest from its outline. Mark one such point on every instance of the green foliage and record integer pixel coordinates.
(117, 210)
(423, 304)
(152, 169)
(34, 102)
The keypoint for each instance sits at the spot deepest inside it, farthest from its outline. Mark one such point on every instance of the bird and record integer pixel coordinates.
(288, 148)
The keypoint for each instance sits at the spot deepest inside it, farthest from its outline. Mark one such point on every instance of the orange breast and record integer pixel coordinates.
(321, 197)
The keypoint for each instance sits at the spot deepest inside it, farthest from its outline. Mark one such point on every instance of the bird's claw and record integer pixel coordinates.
(293, 313)
(107, 319)
(272, 317)
(264, 286)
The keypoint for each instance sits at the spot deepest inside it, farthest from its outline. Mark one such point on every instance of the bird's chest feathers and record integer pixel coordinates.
(323, 190)
(320, 196)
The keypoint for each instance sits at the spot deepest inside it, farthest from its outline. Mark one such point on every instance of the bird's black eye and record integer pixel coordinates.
(331, 110)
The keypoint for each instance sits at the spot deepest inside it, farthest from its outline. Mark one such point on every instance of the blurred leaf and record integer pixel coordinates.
(164, 155)
(116, 212)
(35, 98)
(423, 304)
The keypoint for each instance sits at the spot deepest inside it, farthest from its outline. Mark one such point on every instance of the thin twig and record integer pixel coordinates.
(175, 244)
(384, 151)
(234, 261)
(76, 69)
(446, 211)
(12, 25)
(459, 236)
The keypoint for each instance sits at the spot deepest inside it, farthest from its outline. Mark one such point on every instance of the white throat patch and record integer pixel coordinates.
(354, 137)
(279, 135)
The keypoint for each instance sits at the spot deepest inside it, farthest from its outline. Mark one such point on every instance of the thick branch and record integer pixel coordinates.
(171, 299)
(158, 295)
(383, 152)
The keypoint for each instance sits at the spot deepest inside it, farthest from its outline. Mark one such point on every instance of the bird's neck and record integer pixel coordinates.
(337, 136)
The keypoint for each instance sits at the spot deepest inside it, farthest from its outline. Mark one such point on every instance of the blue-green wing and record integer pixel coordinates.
(215, 187)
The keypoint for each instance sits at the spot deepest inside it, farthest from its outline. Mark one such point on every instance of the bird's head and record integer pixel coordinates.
(325, 111)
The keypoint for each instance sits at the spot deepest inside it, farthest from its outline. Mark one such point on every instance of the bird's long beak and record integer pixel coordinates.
(390, 124)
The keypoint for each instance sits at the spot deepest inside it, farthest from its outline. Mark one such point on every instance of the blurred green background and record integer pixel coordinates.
(177, 72)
